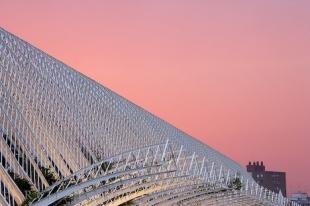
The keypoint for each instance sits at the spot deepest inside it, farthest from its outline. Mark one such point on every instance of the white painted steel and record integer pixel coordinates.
(53, 116)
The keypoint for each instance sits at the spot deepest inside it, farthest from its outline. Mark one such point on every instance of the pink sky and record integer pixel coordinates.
(234, 74)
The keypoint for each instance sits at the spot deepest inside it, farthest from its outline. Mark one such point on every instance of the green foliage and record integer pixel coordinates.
(22, 183)
(25, 187)
(235, 184)
(49, 175)
(31, 195)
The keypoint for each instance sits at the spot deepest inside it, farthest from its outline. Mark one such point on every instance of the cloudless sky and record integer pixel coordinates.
(234, 74)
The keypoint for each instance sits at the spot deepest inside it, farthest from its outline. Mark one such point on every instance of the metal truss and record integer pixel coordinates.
(136, 166)
(104, 149)
(157, 175)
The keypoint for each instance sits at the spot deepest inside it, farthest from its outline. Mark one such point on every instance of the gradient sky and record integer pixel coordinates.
(234, 74)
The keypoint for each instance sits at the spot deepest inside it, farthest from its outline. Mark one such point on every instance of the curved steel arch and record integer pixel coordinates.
(155, 175)
(134, 164)
(54, 117)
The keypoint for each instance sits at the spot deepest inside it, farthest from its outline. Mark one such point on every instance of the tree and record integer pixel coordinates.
(25, 187)
(235, 184)
(22, 183)
(49, 175)
(31, 195)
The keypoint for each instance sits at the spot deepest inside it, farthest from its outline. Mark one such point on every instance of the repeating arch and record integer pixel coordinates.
(102, 148)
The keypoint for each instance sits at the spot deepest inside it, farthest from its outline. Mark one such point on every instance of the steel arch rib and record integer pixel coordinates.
(142, 163)
(149, 187)
(100, 144)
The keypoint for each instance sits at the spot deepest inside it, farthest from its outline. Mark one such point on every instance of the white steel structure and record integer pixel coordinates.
(103, 149)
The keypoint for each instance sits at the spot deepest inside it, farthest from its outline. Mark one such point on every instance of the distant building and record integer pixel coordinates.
(301, 198)
(274, 181)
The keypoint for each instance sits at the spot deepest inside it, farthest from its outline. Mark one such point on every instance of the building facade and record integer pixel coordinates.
(274, 181)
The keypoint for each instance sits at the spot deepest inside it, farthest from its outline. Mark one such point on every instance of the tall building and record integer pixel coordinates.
(274, 181)
(301, 198)
(65, 139)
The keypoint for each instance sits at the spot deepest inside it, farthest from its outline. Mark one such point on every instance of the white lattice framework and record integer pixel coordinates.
(105, 149)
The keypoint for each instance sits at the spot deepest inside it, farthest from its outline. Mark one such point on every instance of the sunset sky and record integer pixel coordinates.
(234, 74)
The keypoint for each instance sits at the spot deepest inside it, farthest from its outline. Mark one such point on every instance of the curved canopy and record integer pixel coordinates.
(102, 148)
